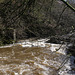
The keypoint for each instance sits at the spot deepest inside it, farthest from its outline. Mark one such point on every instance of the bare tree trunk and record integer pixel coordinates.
(68, 5)
(51, 6)
(61, 14)
(14, 36)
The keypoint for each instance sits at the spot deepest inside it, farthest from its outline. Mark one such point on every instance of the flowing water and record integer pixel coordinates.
(18, 60)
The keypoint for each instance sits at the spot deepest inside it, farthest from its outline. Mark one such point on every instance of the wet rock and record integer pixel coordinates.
(71, 49)
(54, 39)
(74, 61)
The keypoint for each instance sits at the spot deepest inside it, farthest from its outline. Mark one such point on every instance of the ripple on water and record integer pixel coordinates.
(29, 61)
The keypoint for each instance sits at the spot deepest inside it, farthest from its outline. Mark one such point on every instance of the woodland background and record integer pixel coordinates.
(35, 19)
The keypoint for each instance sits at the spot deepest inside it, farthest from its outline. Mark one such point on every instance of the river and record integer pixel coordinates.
(35, 58)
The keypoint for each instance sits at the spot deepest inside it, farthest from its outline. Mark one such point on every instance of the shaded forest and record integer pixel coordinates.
(34, 19)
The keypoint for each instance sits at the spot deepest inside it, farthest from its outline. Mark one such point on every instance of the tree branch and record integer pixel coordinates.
(68, 5)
